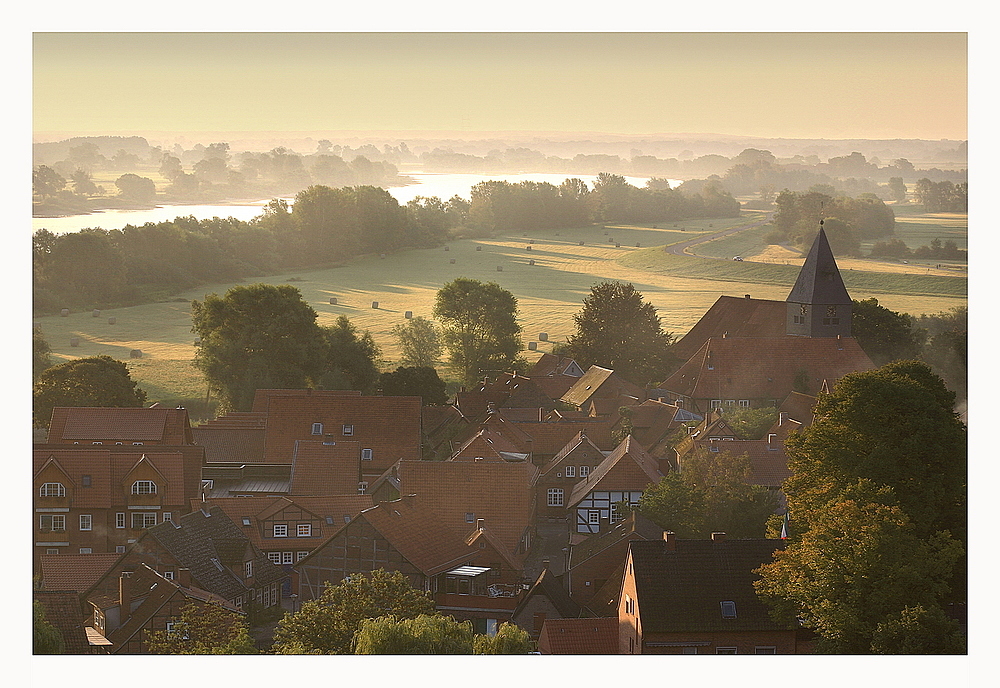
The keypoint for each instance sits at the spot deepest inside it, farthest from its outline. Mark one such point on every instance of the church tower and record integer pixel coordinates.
(819, 305)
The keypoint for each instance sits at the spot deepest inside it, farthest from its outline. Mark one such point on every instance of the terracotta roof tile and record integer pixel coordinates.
(262, 397)
(63, 609)
(74, 571)
(628, 467)
(107, 424)
(739, 317)
(224, 444)
(579, 637)
(325, 467)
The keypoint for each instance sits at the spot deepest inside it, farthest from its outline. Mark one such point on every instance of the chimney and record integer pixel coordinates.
(771, 437)
(480, 524)
(125, 595)
(184, 577)
(840, 344)
(782, 418)
(545, 564)
(718, 537)
(670, 538)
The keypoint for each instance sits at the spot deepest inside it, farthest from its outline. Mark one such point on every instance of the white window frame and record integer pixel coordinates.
(317, 428)
(303, 530)
(119, 549)
(168, 517)
(570, 471)
(554, 497)
(146, 519)
(287, 557)
(363, 487)
(86, 522)
(744, 403)
(143, 487)
(725, 651)
(279, 530)
(248, 569)
(593, 517)
(120, 519)
(584, 471)
(716, 403)
(52, 490)
(348, 430)
(57, 523)
(275, 557)
(86, 550)
(366, 454)
(470, 517)
(767, 650)
(169, 575)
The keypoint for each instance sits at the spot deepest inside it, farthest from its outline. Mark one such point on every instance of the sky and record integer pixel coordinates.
(787, 85)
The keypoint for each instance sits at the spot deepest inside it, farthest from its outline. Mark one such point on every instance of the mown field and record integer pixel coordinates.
(549, 292)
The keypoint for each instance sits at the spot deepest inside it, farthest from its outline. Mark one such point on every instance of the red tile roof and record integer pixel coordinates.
(739, 317)
(64, 610)
(579, 637)
(325, 467)
(106, 424)
(225, 444)
(74, 571)
(262, 396)
(600, 383)
(629, 467)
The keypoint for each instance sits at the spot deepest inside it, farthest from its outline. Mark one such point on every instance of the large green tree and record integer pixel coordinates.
(257, 337)
(480, 329)
(618, 329)
(203, 629)
(327, 625)
(41, 358)
(508, 640)
(45, 638)
(424, 635)
(884, 335)
(352, 358)
(95, 381)
(419, 342)
(415, 381)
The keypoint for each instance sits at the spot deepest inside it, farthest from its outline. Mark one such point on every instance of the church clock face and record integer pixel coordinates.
(831, 311)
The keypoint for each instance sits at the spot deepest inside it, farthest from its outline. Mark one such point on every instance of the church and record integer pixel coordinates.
(755, 352)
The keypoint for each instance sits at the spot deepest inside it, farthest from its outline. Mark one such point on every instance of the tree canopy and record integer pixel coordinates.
(419, 343)
(203, 629)
(45, 638)
(352, 358)
(617, 329)
(480, 329)
(884, 334)
(417, 382)
(95, 381)
(423, 635)
(327, 625)
(41, 358)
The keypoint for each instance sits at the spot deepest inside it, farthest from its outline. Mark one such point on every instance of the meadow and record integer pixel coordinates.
(550, 291)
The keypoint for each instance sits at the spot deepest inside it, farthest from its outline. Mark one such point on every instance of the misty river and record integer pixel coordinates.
(444, 186)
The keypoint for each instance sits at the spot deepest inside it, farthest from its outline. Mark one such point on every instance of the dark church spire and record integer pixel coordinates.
(819, 305)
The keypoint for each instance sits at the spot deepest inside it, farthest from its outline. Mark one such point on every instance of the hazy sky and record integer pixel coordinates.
(791, 85)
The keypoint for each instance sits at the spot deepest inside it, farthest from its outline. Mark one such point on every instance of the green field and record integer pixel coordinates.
(549, 292)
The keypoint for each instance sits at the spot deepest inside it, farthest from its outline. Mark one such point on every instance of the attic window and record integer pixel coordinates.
(317, 428)
(584, 471)
(348, 430)
(728, 609)
(52, 490)
(143, 487)
(362, 488)
(347, 518)
(85, 480)
(470, 517)
(366, 454)
(329, 520)
(246, 521)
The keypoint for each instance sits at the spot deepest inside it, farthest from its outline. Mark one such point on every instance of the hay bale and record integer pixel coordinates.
(531, 241)
(452, 261)
(479, 248)
(197, 341)
(135, 353)
(374, 304)
(528, 248)
(617, 245)
(74, 341)
(64, 312)
(112, 321)
(581, 243)
(637, 244)
(532, 346)
(95, 313)
(408, 314)
(531, 262)
(543, 336)
(446, 248)
(333, 301)
(499, 268)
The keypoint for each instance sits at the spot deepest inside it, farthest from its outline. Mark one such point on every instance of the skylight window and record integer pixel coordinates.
(728, 609)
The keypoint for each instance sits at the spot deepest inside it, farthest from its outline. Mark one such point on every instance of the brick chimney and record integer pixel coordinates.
(718, 537)
(480, 524)
(184, 577)
(125, 595)
(670, 538)
(782, 418)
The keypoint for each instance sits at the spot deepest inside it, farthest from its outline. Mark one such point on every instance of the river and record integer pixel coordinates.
(444, 186)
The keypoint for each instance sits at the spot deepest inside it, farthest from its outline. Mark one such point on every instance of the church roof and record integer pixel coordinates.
(819, 280)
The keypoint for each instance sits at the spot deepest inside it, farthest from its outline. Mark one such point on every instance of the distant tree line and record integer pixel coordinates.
(943, 196)
(847, 221)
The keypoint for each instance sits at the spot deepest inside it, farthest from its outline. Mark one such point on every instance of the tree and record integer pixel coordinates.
(46, 182)
(617, 329)
(83, 183)
(45, 638)
(480, 329)
(415, 381)
(884, 334)
(351, 360)
(327, 625)
(751, 423)
(203, 629)
(136, 188)
(675, 505)
(423, 635)
(509, 640)
(898, 189)
(96, 381)
(419, 343)
(257, 337)
(41, 358)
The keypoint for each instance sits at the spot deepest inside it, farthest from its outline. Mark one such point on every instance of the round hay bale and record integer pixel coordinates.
(531, 262)
(333, 301)
(374, 304)
(408, 314)
(581, 243)
(64, 312)
(479, 248)
(447, 248)
(617, 245)
(543, 336)
(452, 261)
(197, 341)
(74, 341)
(135, 353)
(96, 313)
(637, 244)
(531, 241)
(528, 248)
(112, 321)
(499, 268)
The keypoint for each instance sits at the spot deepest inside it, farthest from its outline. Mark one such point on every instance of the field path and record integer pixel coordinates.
(682, 248)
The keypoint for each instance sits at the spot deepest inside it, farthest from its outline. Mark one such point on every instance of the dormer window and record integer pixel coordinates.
(728, 609)
(317, 428)
(303, 530)
(280, 530)
(140, 487)
(366, 454)
(570, 471)
(248, 569)
(348, 430)
(52, 490)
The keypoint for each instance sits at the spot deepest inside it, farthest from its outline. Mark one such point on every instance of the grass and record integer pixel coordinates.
(549, 293)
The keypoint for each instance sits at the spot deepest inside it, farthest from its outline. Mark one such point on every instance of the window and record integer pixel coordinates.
(348, 430)
(85, 480)
(730, 402)
(768, 650)
(97, 442)
(362, 487)
(52, 523)
(689, 651)
(317, 429)
(86, 522)
(299, 556)
(615, 513)
(168, 517)
(744, 403)
(52, 490)
(716, 403)
(470, 517)
(286, 557)
(120, 520)
(728, 609)
(593, 517)
(144, 519)
(143, 487)
(366, 454)
(280, 530)
(275, 557)
(570, 471)
(137, 444)
(52, 550)
(555, 496)
(246, 521)
(303, 530)
(119, 549)
(169, 575)
(584, 471)
(86, 550)
(725, 650)
(248, 569)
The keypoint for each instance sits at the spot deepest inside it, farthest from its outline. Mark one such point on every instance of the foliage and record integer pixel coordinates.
(45, 638)
(136, 188)
(96, 381)
(415, 381)
(918, 631)
(352, 359)
(617, 329)
(203, 629)
(46, 182)
(943, 196)
(884, 334)
(257, 337)
(327, 625)
(509, 640)
(856, 570)
(857, 219)
(751, 423)
(673, 504)
(480, 329)
(419, 342)
(422, 635)
(41, 358)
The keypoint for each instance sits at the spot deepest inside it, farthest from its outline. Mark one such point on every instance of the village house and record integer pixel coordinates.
(602, 384)
(545, 600)
(559, 476)
(579, 637)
